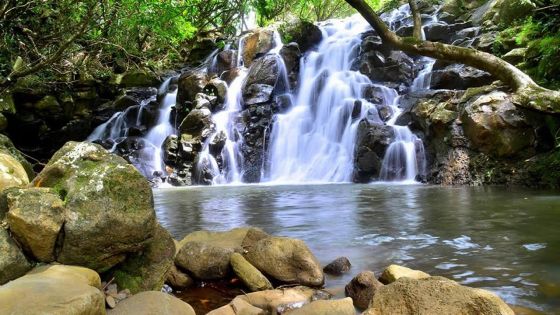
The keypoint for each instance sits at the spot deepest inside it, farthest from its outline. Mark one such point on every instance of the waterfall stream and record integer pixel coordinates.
(315, 139)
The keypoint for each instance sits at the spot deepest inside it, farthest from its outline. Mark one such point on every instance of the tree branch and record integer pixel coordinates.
(417, 19)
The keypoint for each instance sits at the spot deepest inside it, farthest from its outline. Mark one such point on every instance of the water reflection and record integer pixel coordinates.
(503, 240)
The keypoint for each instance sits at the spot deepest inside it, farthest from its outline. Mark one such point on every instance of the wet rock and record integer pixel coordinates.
(434, 295)
(178, 279)
(148, 269)
(439, 32)
(53, 289)
(217, 88)
(35, 218)
(277, 301)
(326, 307)
(362, 288)
(338, 266)
(189, 85)
(250, 275)
(152, 302)
(196, 121)
(101, 191)
(257, 44)
(395, 272)
(291, 55)
(225, 60)
(495, 126)
(287, 260)
(372, 141)
(394, 67)
(217, 143)
(257, 94)
(13, 263)
(12, 173)
(459, 77)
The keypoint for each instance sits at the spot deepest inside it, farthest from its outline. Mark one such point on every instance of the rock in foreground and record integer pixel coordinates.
(54, 289)
(434, 295)
(152, 303)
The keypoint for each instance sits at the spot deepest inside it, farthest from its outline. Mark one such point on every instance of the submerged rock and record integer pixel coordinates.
(362, 288)
(54, 289)
(150, 303)
(434, 295)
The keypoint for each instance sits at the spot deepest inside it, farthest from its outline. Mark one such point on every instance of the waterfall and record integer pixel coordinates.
(114, 132)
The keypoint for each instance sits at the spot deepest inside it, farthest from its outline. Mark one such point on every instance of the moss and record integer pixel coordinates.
(128, 281)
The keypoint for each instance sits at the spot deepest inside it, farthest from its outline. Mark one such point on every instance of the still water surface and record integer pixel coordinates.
(504, 240)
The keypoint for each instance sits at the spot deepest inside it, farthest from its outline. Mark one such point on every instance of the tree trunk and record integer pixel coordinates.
(527, 94)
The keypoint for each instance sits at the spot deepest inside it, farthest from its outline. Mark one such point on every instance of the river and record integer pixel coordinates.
(504, 240)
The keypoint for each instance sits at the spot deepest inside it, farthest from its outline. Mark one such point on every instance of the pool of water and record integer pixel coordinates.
(504, 240)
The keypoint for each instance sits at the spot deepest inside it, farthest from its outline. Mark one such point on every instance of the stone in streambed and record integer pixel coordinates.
(287, 260)
(177, 279)
(434, 295)
(277, 301)
(207, 254)
(362, 288)
(326, 307)
(54, 289)
(395, 272)
(250, 275)
(151, 303)
(109, 205)
(36, 217)
(338, 266)
(13, 263)
(148, 269)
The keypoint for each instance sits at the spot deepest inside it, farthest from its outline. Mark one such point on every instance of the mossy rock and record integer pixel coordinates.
(304, 33)
(109, 205)
(7, 103)
(139, 78)
(148, 269)
(13, 263)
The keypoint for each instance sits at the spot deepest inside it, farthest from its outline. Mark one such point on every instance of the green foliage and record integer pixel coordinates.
(540, 34)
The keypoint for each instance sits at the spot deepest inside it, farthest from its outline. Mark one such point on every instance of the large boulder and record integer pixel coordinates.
(109, 205)
(139, 77)
(362, 288)
(152, 302)
(261, 80)
(326, 307)
(256, 44)
(443, 32)
(13, 263)
(12, 173)
(495, 126)
(206, 255)
(393, 66)
(251, 276)
(372, 141)
(36, 217)
(287, 260)
(196, 121)
(225, 60)
(54, 289)
(434, 295)
(148, 269)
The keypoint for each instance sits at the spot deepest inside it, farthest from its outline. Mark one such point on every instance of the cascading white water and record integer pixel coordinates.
(149, 158)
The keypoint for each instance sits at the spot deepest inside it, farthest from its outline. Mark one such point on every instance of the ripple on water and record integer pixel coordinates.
(534, 246)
